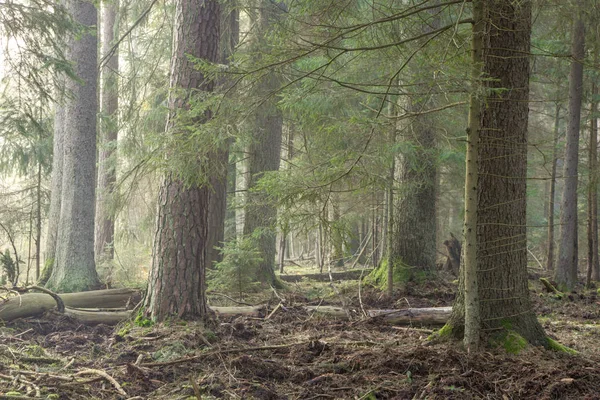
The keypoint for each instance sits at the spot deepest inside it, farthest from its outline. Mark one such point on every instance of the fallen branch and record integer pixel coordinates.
(344, 275)
(105, 376)
(425, 316)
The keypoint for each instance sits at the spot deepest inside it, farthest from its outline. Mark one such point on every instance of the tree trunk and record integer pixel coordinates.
(593, 271)
(552, 195)
(414, 247)
(181, 251)
(264, 153)
(501, 235)
(566, 270)
(107, 163)
(74, 269)
(55, 194)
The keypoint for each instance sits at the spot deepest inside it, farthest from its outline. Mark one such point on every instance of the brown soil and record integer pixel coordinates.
(295, 355)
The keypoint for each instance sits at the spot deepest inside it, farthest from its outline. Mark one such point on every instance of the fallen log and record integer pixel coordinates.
(36, 304)
(248, 311)
(336, 276)
(424, 316)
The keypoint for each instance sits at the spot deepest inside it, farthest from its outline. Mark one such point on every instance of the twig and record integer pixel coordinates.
(231, 299)
(196, 388)
(105, 376)
(273, 312)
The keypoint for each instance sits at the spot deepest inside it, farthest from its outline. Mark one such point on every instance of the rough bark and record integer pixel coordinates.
(108, 131)
(414, 210)
(264, 153)
(501, 195)
(566, 269)
(552, 195)
(182, 244)
(74, 268)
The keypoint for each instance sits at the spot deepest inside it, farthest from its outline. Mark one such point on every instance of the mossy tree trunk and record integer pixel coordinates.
(182, 252)
(502, 285)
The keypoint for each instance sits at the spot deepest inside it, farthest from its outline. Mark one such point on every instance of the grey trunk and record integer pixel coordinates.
(108, 130)
(566, 269)
(74, 269)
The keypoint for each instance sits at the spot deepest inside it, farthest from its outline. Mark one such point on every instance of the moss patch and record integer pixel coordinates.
(444, 333)
(402, 274)
(514, 343)
(554, 345)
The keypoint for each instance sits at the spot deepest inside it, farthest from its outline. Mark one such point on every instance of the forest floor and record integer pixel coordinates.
(292, 354)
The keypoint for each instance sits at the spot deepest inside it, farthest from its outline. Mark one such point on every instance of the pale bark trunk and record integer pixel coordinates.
(108, 131)
(182, 244)
(74, 268)
(501, 235)
(566, 269)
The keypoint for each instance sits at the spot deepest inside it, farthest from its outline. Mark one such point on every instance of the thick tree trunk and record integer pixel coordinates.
(264, 153)
(566, 269)
(74, 268)
(552, 195)
(182, 244)
(107, 163)
(501, 195)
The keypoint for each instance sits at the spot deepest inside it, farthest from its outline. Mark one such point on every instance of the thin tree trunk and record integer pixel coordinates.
(469, 273)
(593, 262)
(55, 194)
(566, 270)
(107, 163)
(551, 205)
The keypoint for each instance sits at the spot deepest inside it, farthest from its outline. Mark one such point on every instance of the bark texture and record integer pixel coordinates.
(566, 269)
(413, 247)
(593, 271)
(107, 163)
(501, 194)
(74, 268)
(552, 195)
(182, 244)
(264, 153)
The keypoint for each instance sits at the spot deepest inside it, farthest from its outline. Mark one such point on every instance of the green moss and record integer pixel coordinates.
(444, 333)
(514, 343)
(402, 274)
(142, 321)
(53, 396)
(554, 345)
